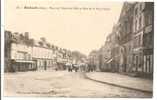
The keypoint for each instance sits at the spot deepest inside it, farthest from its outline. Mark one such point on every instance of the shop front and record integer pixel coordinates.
(23, 65)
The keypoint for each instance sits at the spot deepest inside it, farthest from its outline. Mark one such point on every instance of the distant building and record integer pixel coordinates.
(106, 52)
(94, 60)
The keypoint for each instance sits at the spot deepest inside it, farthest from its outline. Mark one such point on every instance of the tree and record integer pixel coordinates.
(40, 43)
(56, 47)
(43, 39)
(26, 35)
(78, 56)
(48, 45)
(31, 42)
(52, 46)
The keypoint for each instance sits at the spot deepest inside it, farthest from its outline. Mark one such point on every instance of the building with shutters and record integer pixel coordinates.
(143, 37)
(131, 42)
(125, 37)
(23, 54)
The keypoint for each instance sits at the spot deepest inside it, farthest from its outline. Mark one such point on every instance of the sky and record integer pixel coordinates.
(73, 29)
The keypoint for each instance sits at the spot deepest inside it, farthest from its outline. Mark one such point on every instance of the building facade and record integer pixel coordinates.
(143, 37)
(125, 37)
(130, 44)
(23, 54)
(21, 59)
(107, 56)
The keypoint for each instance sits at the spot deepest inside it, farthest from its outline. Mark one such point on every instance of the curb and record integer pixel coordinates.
(116, 85)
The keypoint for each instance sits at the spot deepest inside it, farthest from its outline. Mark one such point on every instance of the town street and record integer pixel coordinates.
(61, 84)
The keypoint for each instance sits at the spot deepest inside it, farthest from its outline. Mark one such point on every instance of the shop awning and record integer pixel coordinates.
(24, 61)
(109, 60)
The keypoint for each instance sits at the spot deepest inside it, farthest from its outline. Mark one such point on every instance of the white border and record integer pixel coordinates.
(155, 54)
(2, 46)
(35, 98)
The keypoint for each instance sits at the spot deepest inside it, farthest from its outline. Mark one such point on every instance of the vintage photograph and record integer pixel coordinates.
(78, 49)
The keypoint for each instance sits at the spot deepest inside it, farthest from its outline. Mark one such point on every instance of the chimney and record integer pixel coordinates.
(26, 34)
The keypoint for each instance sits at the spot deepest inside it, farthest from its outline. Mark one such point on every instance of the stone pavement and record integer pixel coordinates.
(122, 80)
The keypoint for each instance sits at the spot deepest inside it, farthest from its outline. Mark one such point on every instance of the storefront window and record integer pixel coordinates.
(148, 19)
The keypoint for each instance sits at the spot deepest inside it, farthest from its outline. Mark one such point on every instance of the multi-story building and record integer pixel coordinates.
(131, 41)
(43, 55)
(21, 58)
(143, 37)
(23, 53)
(124, 36)
(18, 49)
(115, 49)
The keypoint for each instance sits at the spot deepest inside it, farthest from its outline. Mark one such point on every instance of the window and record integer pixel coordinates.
(125, 26)
(148, 19)
(135, 42)
(141, 6)
(136, 61)
(148, 41)
(129, 48)
(139, 40)
(129, 28)
(140, 22)
(135, 25)
(135, 11)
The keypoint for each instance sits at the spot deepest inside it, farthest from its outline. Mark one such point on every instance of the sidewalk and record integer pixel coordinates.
(122, 80)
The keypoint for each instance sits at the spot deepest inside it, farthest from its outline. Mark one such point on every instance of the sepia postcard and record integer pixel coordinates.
(78, 49)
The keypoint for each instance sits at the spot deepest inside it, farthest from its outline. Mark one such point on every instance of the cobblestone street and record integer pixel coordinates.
(62, 84)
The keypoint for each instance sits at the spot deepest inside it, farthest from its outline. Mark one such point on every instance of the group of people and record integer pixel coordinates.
(83, 67)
